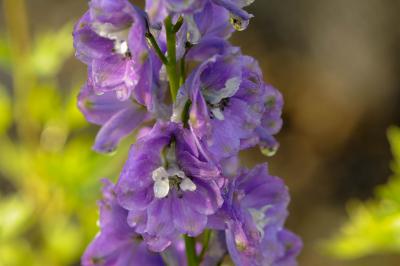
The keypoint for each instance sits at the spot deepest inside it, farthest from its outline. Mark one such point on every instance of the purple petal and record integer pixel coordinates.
(114, 74)
(187, 220)
(115, 12)
(197, 168)
(213, 22)
(119, 126)
(208, 48)
(157, 243)
(224, 141)
(159, 221)
(88, 44)
(292, 245)
(206, 199)
(98, 109)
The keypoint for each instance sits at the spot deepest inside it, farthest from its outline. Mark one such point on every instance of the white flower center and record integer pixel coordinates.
(215, 97)
(109, 31)
(163, 179)
(118, 35)
(121, 47)
(259, 218)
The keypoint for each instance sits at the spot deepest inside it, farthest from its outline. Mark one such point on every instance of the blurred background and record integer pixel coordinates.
(337, 65)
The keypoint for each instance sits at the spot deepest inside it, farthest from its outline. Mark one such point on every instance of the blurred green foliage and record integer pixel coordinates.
(373, 226)
(49, 177)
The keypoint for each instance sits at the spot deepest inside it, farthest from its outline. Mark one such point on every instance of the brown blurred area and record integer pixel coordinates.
(337, 64)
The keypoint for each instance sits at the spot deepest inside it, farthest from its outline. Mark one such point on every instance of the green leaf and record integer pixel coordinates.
(373, 226)
(5, 110)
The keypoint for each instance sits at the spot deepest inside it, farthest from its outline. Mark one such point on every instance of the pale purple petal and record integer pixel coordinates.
(119, 126)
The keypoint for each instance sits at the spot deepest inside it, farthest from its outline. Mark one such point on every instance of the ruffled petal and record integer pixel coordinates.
(119, 126)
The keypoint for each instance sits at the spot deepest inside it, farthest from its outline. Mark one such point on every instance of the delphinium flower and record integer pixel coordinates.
(196, 101)
(221, 10)
(117, 243)
(168, 185)
(230, 106)
(253, 216)
(110, 38)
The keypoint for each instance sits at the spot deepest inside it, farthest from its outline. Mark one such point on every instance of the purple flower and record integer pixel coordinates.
(200, 13)
(239, 18)
(117, 244)
(211, 22)
(207, 27)
(183, 174)
(229, 101)
(271, 122)
(117, 118)
(110, 38)
(254, 212)
(159, 9)
(169, 185)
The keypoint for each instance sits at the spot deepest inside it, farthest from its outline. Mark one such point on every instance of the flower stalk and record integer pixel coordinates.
(152, 41)
(173, 75)
(190, 244)
(167, 193)
(205, 243)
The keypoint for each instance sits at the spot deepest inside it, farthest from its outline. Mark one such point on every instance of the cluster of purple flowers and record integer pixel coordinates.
(169, 74)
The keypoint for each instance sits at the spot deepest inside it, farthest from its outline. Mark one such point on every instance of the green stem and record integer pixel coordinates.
(191, 255)
(157, 49)
(178, 25)
(206, 242)
(172, 72)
